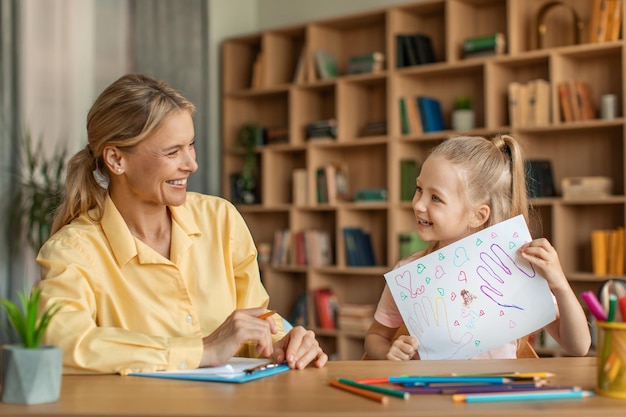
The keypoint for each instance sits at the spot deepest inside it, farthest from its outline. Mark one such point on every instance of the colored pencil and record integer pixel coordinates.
(422, 380)
(594, 305)
(612, 306)
(359, 391)
(372, 380)
(521, 396)
(503, 388)
(265, 315)
(440, 389)
(622, 307)
(381, 390)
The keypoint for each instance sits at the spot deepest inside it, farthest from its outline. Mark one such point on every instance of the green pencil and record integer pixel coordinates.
(387, 391)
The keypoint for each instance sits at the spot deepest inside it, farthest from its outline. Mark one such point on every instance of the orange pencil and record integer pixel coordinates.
(266, 315)
(359, 391)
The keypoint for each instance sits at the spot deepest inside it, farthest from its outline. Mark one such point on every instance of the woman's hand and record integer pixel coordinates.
(240, 327)
(299, 348)
(404, 348)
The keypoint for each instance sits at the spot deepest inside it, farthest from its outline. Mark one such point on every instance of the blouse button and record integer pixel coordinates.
(182, 365)
(189, 319)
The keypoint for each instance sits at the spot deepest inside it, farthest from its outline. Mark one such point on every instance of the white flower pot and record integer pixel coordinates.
(462, 119)
(31, 376)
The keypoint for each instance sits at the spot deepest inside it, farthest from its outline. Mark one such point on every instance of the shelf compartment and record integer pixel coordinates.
(310, 104)
(282, 52)
(372, 221)
(445, 84)
(574, 243)
(361, 102)
(277, 175)
(503, 72)
(426, 18)
(366, 164)
(584, 152)
(345, 37)
(600, 65)
(472, 18)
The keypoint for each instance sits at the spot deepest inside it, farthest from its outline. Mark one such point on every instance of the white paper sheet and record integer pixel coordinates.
(473, 295)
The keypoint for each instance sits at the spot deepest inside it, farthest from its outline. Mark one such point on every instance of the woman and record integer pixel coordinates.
(150, 276)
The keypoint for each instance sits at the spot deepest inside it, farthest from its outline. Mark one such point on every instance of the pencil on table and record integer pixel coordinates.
(521, 396)
(383, 399)
(381, 390)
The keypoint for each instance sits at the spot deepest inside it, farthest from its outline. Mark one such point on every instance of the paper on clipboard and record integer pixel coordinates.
(233, 372)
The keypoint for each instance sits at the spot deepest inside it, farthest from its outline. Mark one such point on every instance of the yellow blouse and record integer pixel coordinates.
(127, 308)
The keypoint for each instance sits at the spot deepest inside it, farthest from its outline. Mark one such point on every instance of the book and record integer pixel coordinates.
(585, 100)
(430, 114)
(299, 187)
(237, 370)
(575, 100)
(326, 306)
(614, 25)
(565, 101)
(404, 118)
(409, 170)
(257, 72)
(367, 63)
(594, 24)
(602, 21)
(326, 65)
(542, 102)
(370, 194)
(513, 101)
(413, 114)
(539, 178)
(299, 75)
(358, 246)
(495, 43)
(409, 243)
(337, 183)
(422, 44)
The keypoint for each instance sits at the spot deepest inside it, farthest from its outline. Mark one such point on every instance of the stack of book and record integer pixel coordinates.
(420, 114)
(413, 49)
(489, 45)
(576, 100)
(321, 129)
(539, 178)
(358, 246)
(529, 103)
(606, 20)
(355, 317)
(360, 64)
(326, 306)
(607, 251)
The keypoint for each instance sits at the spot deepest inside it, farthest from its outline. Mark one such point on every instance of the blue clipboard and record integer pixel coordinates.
(233, 372)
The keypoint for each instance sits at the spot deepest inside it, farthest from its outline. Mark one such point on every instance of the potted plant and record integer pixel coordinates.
(41, 180)
(463, 114)
(250, 136)
(31, 372)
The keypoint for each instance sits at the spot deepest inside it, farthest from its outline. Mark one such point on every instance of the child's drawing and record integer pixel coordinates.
(473, 295)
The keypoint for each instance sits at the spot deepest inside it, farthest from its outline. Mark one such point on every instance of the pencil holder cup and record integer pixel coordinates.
(611, 357)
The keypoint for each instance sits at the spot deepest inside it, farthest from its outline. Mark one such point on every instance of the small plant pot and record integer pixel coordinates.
(463, 119)
(31, 376)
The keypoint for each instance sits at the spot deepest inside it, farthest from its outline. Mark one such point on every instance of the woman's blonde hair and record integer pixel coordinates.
(492, 172)
(124, 114)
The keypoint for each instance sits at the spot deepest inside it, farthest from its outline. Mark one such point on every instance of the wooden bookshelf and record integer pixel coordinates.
(585, 148)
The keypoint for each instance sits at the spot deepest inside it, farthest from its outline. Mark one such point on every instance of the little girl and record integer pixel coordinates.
(465, 185)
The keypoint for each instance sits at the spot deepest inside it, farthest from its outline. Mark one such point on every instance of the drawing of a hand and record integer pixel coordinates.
(495, 288)
(434, 330)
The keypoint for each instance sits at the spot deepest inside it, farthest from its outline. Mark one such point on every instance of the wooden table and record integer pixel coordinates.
(307, 393)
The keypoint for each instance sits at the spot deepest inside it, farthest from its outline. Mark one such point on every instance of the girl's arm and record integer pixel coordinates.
(570, 329)
(378, 341)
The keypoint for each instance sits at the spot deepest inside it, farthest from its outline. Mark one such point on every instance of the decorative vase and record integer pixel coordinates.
(31, 376)
(463, 119)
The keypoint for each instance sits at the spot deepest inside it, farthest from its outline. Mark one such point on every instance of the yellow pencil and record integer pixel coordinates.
(266, 314)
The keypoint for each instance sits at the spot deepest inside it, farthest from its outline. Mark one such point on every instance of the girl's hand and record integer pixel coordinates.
(542, 255)
(404, 348)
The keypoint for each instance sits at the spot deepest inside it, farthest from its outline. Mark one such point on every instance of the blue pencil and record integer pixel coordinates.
(521, 396)
(424, 380)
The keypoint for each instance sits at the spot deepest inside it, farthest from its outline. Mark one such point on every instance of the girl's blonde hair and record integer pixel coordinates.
(125, 113)
(492, 172)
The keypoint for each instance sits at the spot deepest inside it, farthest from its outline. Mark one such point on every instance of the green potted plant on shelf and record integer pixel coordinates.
(250, 136)
(463, 114)
(31, 372)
